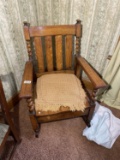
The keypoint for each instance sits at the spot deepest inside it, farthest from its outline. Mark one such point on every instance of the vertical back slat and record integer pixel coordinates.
(49, 53)
(58, 43)
(39, 53)
(68, 51)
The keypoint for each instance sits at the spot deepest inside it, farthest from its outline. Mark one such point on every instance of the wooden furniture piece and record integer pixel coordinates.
(8, 127)
(55, 50)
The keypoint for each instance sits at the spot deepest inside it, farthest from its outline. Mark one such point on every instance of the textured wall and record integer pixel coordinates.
(101, 28)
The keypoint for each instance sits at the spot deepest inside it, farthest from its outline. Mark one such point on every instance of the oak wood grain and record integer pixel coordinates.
(59, 60)
(58, 45)
(26, 33)
(68, 51)
(78, 32)
(62, 115)
(91, 73)
(49, 53)
(39, 53)
(52, 30)
(78, 29)
(26, 88)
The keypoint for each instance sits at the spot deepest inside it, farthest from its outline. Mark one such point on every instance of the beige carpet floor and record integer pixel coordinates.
(61, 140)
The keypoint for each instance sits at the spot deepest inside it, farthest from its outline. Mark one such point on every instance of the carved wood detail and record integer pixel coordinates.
(31, 104)
(77, 45)
(29, 49)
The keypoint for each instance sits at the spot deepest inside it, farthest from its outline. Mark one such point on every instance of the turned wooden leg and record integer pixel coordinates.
(35, 124)
(85, 118)
(33, 119)
(88, 117)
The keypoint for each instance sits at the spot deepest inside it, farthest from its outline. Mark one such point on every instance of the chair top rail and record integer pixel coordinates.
(52, 30)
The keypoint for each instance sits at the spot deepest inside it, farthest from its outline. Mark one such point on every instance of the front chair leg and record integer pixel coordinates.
(35, 124)
(90, 115)
(33, 119)
(92, 107)
(87, 122)
(87, 118)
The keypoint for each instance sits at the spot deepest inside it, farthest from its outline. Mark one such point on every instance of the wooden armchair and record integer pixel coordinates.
(51, 81)
(7, 128)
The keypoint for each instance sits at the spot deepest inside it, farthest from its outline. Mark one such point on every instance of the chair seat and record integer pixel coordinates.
(3, 131)
(59, 93)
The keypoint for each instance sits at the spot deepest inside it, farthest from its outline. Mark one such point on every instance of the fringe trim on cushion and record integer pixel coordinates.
(59, 90)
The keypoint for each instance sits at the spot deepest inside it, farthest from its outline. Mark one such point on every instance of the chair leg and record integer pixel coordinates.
(87, 122)
(87, 118)
(37, 131)
(33, 119)
(90, 115)
(35, 124)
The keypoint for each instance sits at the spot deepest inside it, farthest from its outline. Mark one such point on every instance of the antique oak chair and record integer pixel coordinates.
(51, 81)
(7, 128)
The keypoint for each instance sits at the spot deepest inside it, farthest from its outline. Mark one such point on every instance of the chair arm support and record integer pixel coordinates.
(96, 80)
(27, 81)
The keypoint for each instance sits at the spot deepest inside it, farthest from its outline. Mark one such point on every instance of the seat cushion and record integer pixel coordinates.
(59, 92)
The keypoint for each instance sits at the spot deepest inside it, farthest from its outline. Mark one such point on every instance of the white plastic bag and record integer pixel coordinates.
(105, 127)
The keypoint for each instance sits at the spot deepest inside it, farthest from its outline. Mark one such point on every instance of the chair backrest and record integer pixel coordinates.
(53, 47)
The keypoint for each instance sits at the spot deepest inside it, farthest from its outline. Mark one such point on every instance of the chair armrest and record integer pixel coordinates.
(27, 81)
(96, 80)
